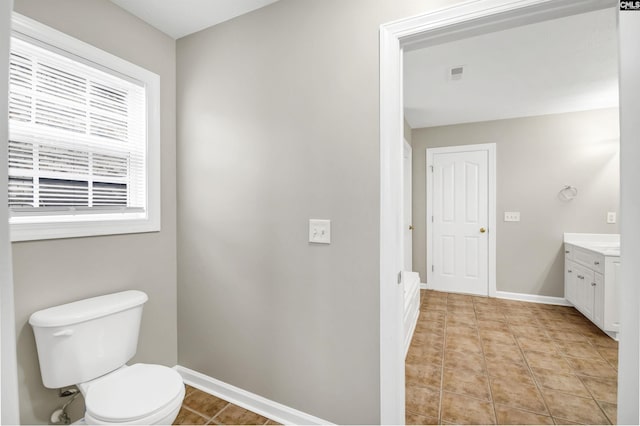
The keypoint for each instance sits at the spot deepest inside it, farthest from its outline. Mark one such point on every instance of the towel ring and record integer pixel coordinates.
(568, 193)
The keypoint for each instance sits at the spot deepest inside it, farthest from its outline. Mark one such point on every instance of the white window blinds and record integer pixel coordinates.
(77, 135)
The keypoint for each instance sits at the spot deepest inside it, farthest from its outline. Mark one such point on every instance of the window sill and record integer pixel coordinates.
(48, 228)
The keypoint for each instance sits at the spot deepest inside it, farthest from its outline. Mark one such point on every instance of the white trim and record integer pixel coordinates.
(9, 407)
(51, 227)
(245, 399)
(423, 286)
(490, 149)
(628, 291)
(456, 21)
(535, 298)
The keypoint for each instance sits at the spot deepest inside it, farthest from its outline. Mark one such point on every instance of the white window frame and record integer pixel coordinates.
(42, 227)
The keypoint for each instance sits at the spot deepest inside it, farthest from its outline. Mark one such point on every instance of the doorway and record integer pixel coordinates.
(450, 24)
(461, 206)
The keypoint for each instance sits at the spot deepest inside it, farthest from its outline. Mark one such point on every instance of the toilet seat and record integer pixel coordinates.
(141, 393)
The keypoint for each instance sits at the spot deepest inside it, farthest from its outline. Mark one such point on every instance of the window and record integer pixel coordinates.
(83, 139)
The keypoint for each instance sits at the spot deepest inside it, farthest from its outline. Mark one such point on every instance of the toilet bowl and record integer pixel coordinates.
(88, 343)
(137, 394)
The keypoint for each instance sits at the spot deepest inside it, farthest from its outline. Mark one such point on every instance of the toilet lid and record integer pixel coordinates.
(132, 393)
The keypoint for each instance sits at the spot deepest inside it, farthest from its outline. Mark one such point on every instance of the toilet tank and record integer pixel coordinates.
(83, 340)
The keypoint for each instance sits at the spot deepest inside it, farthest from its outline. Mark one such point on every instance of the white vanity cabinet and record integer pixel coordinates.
(590, 282)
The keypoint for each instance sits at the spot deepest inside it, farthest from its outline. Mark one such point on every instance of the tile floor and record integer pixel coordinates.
(200, 408)
(478, 360)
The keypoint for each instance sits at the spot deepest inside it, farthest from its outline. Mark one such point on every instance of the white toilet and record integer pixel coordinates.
(87, 343)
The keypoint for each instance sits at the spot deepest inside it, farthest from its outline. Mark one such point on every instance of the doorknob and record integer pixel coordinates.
(411, 228)
(483, 230)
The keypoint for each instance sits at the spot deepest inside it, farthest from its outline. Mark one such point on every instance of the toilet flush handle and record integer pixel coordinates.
(62, 333)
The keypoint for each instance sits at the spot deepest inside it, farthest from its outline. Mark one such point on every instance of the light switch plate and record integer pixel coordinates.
(611, 217)
(512, 216)
(319, 231)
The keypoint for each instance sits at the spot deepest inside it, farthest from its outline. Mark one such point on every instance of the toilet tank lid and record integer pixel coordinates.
(87, 309)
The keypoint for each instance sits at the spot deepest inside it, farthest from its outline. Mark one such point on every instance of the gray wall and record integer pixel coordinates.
(536, 156)
(278, 123)
(48, 273)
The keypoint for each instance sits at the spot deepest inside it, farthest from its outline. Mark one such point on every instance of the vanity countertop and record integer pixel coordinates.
(605, 244)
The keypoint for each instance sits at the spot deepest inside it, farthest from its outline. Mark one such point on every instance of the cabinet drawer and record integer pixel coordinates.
(589, 259)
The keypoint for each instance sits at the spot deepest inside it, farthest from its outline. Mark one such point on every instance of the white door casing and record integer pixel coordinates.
(458, 226)
(439, 26)
(407, 206)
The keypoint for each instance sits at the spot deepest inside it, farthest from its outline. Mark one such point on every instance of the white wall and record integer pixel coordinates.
(9, 391)
(628, 390)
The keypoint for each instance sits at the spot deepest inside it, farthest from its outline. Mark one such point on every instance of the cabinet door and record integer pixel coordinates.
(584, 290)
(569, 281)
(598, 299)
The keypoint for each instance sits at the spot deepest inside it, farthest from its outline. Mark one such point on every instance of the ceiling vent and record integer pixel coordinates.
(456, 73)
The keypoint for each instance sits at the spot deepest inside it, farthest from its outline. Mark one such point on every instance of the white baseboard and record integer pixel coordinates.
(256, 403)
(547, 300)
(423, 286)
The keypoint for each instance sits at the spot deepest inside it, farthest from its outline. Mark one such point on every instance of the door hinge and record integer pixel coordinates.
(431, 219)
(433, 268)
(431, 169)
(400, 277)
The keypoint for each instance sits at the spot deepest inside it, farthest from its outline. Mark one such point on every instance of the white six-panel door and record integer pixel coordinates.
(460, 221)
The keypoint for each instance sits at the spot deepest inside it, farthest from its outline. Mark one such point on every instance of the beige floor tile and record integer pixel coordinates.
(565, 336)
(497, 352)
(203, 403)
(422, 400)
(470, 361)
(578, 350)
(424, 354)
(427, 338)
(496, 336)
(479, 355)
(611, 411)
(188, 417)
(547, 360)
(419, 419)
(537, 344)
(464, 344)
(460, 409)
(271, 422)
(512, 416)
(505, 369)
(461, 330)
(592, 367)
(234, 415)
(460, 319)
(517, 394)
(603, 340)
(491, 316)
(419, 374)
(609, 354)
(574, 408)
(493, 325)
(568, 383)
(529, 331)
(602, 389)
(466, 383)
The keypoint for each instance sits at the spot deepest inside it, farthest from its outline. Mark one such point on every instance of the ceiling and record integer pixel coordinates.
(179, 18)
(562, 65)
